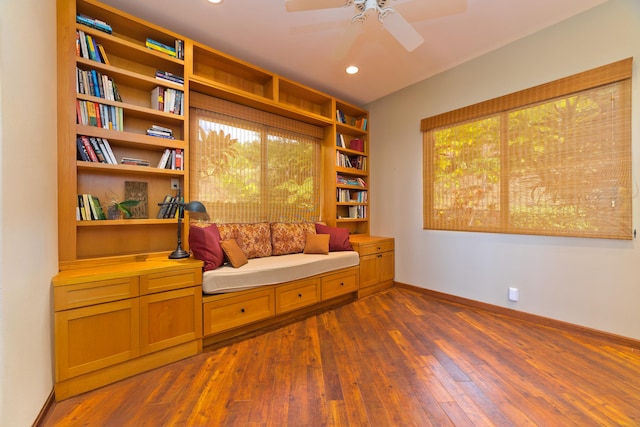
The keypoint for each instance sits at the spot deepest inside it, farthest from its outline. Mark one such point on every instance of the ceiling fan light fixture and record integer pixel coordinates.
(352, 69)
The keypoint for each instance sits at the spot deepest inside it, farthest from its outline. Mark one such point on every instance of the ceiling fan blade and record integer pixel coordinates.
(419, 11)
(348, 39)
(402, 31)
(301, 5)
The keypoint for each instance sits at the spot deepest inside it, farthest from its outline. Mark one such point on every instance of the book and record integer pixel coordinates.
(103, 54)
(96, 149)
(87, 145)
(93, 23)
(82, 152)
(164, 206)
(160, 47)
(107, 146)
(164, 158)
(99, 211)
(134, 161)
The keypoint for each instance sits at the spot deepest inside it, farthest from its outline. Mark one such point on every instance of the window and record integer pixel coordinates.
(553, 160)
(252, 166)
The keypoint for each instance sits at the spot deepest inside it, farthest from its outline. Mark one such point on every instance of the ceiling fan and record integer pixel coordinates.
(388, 16)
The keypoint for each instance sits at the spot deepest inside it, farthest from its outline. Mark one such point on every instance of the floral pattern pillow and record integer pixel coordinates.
(290, 237)
(254, 239)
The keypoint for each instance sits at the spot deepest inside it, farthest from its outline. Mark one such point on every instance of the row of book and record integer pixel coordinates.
(87, 47)
(360, 123)
(160, 132)
(354, 144)
(90, 113)
(167, 100)
(346, 161)
(94, 83)
(345, 195)
(89, 208)
(169, 77)
(93, 23)
(172, 158)
(169, 207)
(93, 149)
(357, 211)
(348, 180)
(176, 51)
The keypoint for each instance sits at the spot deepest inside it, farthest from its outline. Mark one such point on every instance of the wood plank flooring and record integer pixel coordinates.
(398, 358)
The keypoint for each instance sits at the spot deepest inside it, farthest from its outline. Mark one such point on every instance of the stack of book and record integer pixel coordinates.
(93, 149)
(93, 23)
(134, 161)
(169, 77)
(177, 51)
(160, 132)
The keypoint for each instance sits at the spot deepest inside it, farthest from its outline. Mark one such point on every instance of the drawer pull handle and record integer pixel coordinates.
(380, 256)
(379, 248)
(341, 283)
(242, 310)
(299, 295)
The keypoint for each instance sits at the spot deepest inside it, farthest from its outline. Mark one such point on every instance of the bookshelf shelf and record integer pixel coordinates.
(130, 139)
(128, 169)
(125, 222)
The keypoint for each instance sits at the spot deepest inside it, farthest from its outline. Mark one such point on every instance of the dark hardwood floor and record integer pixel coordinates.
(398, 358)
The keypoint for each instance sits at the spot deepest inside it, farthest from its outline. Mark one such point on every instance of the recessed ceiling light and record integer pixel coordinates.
(352, 69)
(215, 1)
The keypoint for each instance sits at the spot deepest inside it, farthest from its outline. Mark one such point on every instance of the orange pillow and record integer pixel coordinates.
(236, 257)
(317, 244)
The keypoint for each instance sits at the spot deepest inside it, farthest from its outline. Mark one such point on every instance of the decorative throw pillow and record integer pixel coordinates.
(254, 239)
(289, 237)
(317, 244)
(339, 237)
(236, 257)
(204, 242)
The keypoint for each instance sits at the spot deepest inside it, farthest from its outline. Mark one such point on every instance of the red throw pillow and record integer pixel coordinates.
(339, 237)
(204, 242)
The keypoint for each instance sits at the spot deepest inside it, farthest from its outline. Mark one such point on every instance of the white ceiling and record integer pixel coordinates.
(300, 45)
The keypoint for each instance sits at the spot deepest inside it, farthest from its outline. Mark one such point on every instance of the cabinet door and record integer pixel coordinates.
(95, 337)
(386, 265)
(170, 318)
(368, 270)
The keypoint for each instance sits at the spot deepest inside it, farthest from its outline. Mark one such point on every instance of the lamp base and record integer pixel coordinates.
(179, 254)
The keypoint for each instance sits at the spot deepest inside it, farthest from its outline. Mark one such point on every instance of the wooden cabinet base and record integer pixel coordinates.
(111, 374)
(370, 290)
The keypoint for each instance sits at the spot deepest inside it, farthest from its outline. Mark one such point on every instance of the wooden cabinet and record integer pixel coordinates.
(111, 322)
(377, 262)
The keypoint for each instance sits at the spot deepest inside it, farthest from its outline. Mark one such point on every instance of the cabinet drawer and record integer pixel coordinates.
(297, 294)
(169, 280)
(229, 312)
(339, 284)
(383, 246)
(90, 293)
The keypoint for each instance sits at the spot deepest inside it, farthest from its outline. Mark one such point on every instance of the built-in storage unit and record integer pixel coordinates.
(377, 261)
(132, 73)
(105, 85)
(115, 321)
(124, 89)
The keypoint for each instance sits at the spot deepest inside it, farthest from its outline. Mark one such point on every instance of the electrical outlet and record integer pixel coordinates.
(175, 184)
(513, 294)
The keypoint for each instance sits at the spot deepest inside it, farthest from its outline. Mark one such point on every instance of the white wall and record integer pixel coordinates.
(28, 206)
(590, 282)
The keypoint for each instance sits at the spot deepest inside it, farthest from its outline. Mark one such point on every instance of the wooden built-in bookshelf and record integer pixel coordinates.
(132, 67)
